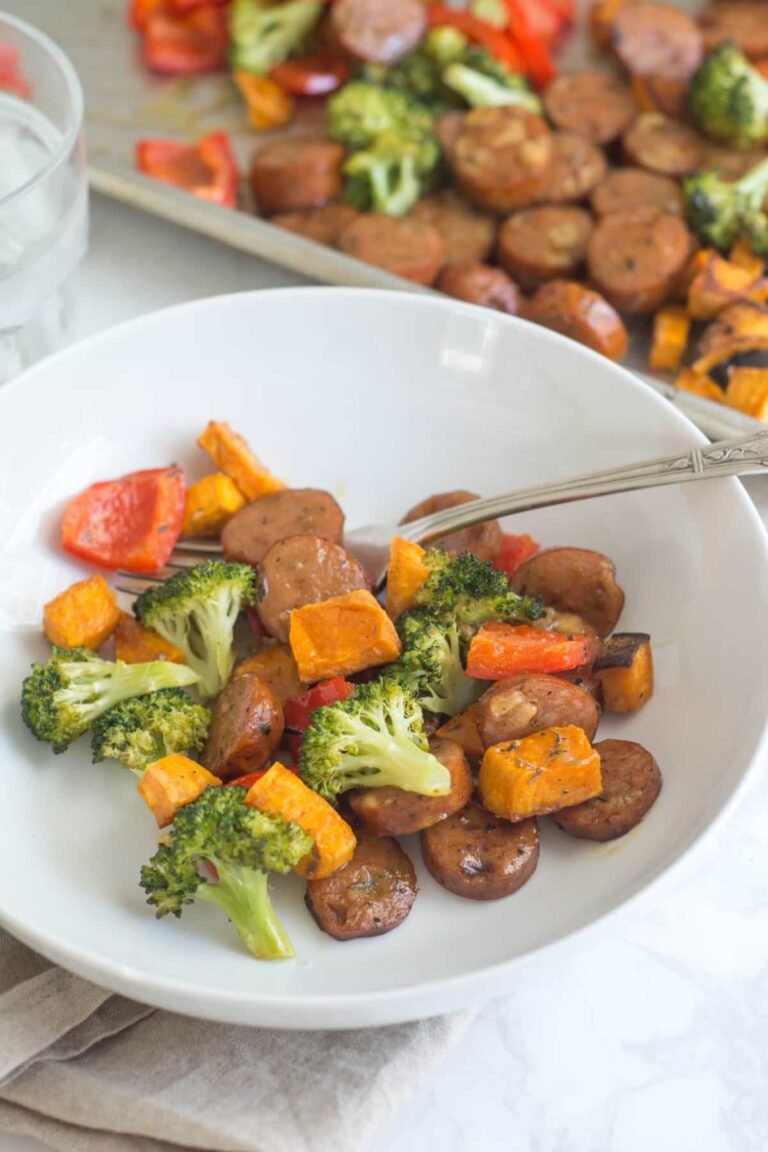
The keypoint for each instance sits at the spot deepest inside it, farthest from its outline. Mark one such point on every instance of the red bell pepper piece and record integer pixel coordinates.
(182, 6)
(293, 741)
(130, 523)
(188, 44)
(11, 76)
(536, 59)
(254, 623)
(206, 169)
(311, 75)
(500, 650)
(139, 12)
(493, 39)
(544, 20)
(299, 709)
(515, 550)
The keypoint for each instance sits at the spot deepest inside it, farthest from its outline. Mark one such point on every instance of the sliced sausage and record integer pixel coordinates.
(466, 233)
(585, 679)
(625, 189)
(501, 158)
(246, 727)
(730, 163)
(663, 145)
(303, 570)
(483, 539)
(582, 314)
(480, 284)
(657, 40)
(395, 812)
(544, 243)
(369, 896)
(744, 21)
(578, 166)
(574, 580)
(275, 666)
(323, 225)
(252, 531)
(378, 31)
(595, 104)
(662, 94)
(294, 174)
(522, 705)
(480, 856)
(635, 258)
(631, 784)
(405, 247)
(448, 128)
(600, 18)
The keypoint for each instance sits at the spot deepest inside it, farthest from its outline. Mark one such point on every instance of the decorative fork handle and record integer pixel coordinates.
(739, 457)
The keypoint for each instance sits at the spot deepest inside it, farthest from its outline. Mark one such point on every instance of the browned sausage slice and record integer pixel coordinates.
(595, 104)
(395, 812)
(252, 531)
(482, 539)
(303, 570)
(635, 258)
(502, 157)
(405, 247)
(631, 784)
(480, 284)
(744, 21)
(579, 312)
(660, 144)
(369, 896)
(521, 705)
(378, 31)
(448, 128)
(578, 165)
(544, 243)
(466, 233)
(246, 727)
(294, 174)
(625, 189)
(585, 679)
(480, 856)
(323, 225)
(574, 580)
(657, 40)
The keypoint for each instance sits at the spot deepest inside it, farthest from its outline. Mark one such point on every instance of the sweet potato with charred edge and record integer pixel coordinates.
(671, 328)
(625, 670)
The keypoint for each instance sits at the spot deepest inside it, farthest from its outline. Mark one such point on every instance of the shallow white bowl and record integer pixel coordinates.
(382, 398)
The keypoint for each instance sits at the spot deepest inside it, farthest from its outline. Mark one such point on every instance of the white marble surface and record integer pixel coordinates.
(651, 1035)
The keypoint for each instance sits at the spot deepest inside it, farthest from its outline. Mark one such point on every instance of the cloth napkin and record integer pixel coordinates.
(87, 1071)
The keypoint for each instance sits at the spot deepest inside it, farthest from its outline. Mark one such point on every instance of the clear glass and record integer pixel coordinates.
(43, 194)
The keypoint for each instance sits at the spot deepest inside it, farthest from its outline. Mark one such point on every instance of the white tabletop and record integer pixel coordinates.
(652, 1034)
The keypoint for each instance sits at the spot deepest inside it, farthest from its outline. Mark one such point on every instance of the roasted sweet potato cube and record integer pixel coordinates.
(210, 503)
(85, 614)
(172, 782)
(232, 455)
(625, 670)
(406, 574)
(136, 644)
(537, 774)
(343, 635)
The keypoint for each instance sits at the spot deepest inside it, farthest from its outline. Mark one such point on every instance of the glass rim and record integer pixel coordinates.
(72, 82)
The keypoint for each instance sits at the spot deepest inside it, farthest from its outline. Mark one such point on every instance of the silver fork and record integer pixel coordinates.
(743, 456)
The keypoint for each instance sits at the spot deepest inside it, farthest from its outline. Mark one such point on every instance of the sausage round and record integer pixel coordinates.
(544, 243)
(395, 812)
(403, 246)
(744, 21)
(323, 225)
(303, 570)
(663, 145)
(582, 314)
(574, 580)
(480, 856)
(501, 158)
(594, 104)
(631, 784)
(578, 165)
(295, 174)
(522, 705)
(246, 727)
(625, 189)
(378, 31)
(483, 539)
(600, 18)
(466, 233)
(635, 258)
(730, 163)
(585, 679)
(448, 128)
(369, 896)
(252, 531)
(657, 40)
(480, 284)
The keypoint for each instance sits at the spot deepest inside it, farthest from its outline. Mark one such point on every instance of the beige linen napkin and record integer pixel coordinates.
(86, 1071)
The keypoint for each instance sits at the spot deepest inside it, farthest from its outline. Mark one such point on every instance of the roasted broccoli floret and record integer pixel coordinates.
(469, 592)
(391, 174)
(373, 739)
(445, 44)
(489, 87)
(146, 728)
(221, 850)
(359, 113)
(728, 98)
(431, 665)
(721, 213)
(196, 610)
(62, 699)
(265, 34)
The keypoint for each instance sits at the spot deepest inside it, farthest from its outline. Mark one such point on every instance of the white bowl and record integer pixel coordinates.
(382, 398)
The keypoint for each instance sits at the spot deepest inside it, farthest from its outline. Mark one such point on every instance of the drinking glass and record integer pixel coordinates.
(43, 192)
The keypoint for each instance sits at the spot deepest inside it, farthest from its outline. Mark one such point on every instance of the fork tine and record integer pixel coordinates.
(203, 547)
(141, 577)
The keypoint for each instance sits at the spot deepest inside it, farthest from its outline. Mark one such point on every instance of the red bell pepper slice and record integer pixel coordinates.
(536, 59)
(493, 39)
(188, 44)
(515, 550)
(293, 741)
(139, 12)
(130, 523)
(11, 76)
(311, 75)
(544, 21)
(500, 650)
(206, 169)
(298, 710)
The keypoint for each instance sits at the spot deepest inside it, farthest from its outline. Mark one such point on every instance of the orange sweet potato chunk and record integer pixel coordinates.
(210, 503)
(136, 644)
(172, 782)
(552, 769)
(406, 574)
(340, 636)
(232, 455)
(84, 614)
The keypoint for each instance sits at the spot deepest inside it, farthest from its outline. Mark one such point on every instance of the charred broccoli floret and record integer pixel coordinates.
(470, 592)
(265, 34)
(221, 850)
(62, 699)
(721, 213)
(146, 728)
(196, 610)
(728, 98)
(431, 665)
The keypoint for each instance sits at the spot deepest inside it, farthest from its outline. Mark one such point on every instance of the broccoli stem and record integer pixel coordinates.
(380, 760)
(243, 895)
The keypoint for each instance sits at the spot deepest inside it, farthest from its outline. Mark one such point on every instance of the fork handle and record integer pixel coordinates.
(740, 457)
